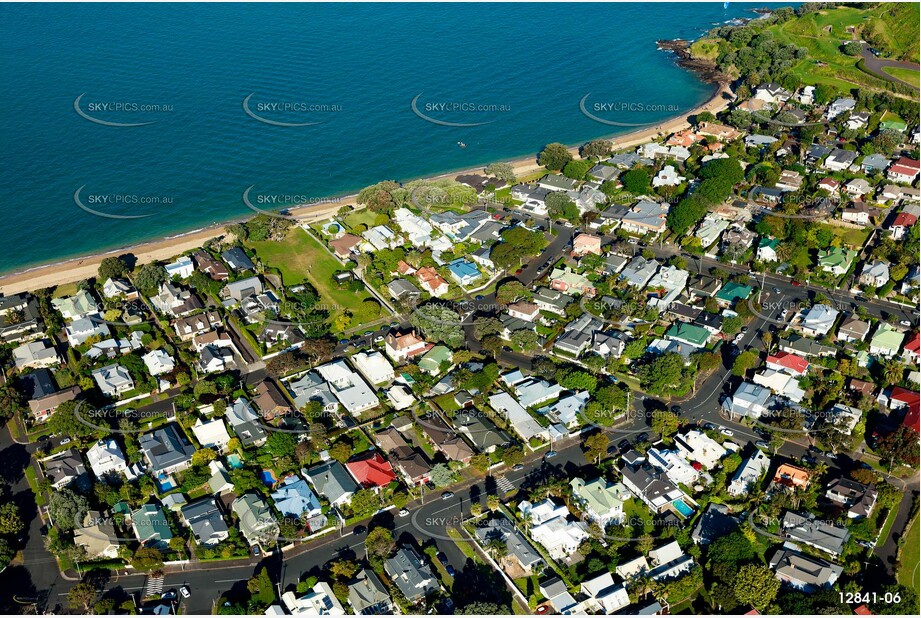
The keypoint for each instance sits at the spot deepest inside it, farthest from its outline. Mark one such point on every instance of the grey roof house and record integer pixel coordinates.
(166, 451)
(413, 577)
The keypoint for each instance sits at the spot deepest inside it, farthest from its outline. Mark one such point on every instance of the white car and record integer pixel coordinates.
(184, 591)
(64, 441)
(725, 431)
(403, 512)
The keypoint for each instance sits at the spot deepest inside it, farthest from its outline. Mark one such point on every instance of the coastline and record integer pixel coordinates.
(85, 267)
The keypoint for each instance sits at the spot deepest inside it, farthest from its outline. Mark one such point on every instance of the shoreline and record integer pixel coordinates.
(85, 267)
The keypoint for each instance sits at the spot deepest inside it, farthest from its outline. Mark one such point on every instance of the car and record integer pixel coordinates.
(519, 271)
(675, 409)
(744, 329)
(550, 454)
(403, 512)
(762, 445)
(905, 323)
(518, 467)
(642, 437)
(344, 341)
(185, 592)
(169, 595)
(497, 216)
(256, 550)
(429, 485)
(378, 339)
(796, 283)
(726, 431)
(359, 530)
(447, 495)
(867, 544)
(624, 444)
(777, 290)
(479, 297)
(369, 332)
(65, 441)
(44, 438)
(450, 570)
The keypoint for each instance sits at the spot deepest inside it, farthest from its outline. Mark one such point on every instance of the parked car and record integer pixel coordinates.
(256, 550)
(450, 570)
(169, 595)
(764, 446)
(185, 592)
(796, 283)
(550, 455)
(65, 441)
(403, 512)
(518, 467)
(447, 495)
(359, 530)
(624, 445)
(642, 437)
(725, 431)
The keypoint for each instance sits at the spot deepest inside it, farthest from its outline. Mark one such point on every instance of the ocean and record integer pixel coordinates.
(301, 102)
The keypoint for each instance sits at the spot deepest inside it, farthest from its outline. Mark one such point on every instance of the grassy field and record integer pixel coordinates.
(360, 217)
(906, 75)
(821, 34)
(301, 257)
(908, 571)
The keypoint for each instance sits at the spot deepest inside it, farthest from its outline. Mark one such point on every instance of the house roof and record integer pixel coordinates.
(332, 480)
(372, 471)
(165, 448)
(695, 335)
(789, 361)
(732, 291)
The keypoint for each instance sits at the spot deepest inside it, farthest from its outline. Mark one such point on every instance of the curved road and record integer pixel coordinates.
(875, 65)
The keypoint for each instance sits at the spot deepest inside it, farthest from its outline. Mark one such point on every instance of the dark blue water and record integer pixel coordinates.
(530, 64)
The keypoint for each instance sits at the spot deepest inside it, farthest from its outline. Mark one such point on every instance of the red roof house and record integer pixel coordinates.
(788, 363)
(904, 170)
(372, 471)
(912, 349)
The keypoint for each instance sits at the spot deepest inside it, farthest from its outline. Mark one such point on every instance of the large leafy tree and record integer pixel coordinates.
(439, 323)
(68, 509)
(756, 585)
(554, 156)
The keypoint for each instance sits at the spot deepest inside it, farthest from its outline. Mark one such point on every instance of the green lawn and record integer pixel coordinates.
(301, 257)
(359, 217)
(906, 75)
(908, 570)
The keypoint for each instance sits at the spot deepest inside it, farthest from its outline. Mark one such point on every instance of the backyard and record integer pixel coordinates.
(299, 258)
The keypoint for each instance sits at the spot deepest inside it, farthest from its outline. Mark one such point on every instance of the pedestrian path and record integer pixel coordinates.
(154, 586)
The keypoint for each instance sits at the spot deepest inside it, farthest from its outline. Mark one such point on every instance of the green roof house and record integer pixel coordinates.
(434, 359)
(836, 260)
(886, 341)
(732, 292)
(767, 249)
(690, 334)
(601, 501)
(892, 122)
(151, 527)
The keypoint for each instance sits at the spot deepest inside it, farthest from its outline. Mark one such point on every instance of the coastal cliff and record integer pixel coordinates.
(705, 68)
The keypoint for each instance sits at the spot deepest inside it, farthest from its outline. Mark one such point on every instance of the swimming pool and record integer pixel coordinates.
(234, 461)
(268, 477)
(683, 508)
(165, 482)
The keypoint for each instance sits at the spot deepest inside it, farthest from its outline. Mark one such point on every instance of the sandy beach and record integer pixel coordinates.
(86, 267)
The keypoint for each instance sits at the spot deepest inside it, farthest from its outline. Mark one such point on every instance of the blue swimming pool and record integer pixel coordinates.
(234, 461)
(165, 483)
(683, 508)
(268, 477)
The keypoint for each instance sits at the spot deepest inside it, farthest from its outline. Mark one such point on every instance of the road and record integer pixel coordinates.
(875, 65)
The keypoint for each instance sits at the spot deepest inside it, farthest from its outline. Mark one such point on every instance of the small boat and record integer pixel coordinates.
(462, 144)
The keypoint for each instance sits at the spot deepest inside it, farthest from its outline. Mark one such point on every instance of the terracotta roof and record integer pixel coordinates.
(789, 361)
(904, 219)
(373, 471)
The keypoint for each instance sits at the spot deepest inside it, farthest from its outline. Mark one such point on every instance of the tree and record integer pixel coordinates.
(6, 554)
(483, 608)
(81, 597)
(379, 542)
(280, 444)
(524, 339)
(344, 569)
(899, 446)
(510, 292)
(148, 277)
(112, 268)
(64, 421)
(597, 148)
(662, 374)
(147, 559)
(637, 181)
(203, 457)
(340, 451)
(554, 156)
(561, 206)
(512, 456)
(577, 169)
(577, 380)
(68, 509)
(439, 323)
(441, 475)
(261, 588)
(502, 171)
(379, 197)
(743, 362)
(596, 446)
(756, 585)
(365, 501)
(10, 521)
(665, 422)
(480, 463)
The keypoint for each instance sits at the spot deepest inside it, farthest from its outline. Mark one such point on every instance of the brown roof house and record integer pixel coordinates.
(270, 401)
(345, 245)
(445, 438)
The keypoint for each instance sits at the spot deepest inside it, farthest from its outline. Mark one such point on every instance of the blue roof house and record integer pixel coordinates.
(294, 497)
(463, 271)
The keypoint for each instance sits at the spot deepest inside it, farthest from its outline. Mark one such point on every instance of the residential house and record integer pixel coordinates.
(667, 177)
(191, 326)
(246, 423)
(858, 213)
(256, 521)
(646, 217)
(106, 457)
(480, 431)
(840, 106)
(464, 272)
(432, 282)
(320, 601)
(697, 446)
(875, 274)
(853, 329)
(182, 268)
(158, 362)
(402, 347)
(653, 488)
(815, 533)
(293, 497)
(345, 246)
(552, 301)
(767, 249)
(374, 367)
(237, 259)
(97, 536)
(204, 519)
(521, 554)
(119, 288)
(639, 272)
(166, 451)
(857, 498)
(550, 526)
(669, 562)
(748, 400)
(215, 269)
(788, 475)
(412, 577)
(689, 334)
(901, 223)
(710, 230)
(43, 407)
(519, 419)
(80, 330)
(270, 401)
(80, 305)
(332, 481)
(65, 468)
(211, 434)
(368, 596)
(904, 170)
(749, 473)
(371, 471)
(572, 283)
(36, 354)
(836, 260)
(818, 320)
(348, 387)
(792, 364)
(802, 572)
(603, 595)
(151, 527)
(584, 244)
(401, 288)
(435, 360)
(886, 341)
(113, 380)
(715, 522)
(174, 301)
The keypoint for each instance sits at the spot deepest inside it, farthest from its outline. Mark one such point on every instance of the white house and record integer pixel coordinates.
(158, 362)
(374, 367)
(113, 380)
(106, 457)
(749, 473)
(550, 526)
(182, 268)
(211, 434)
